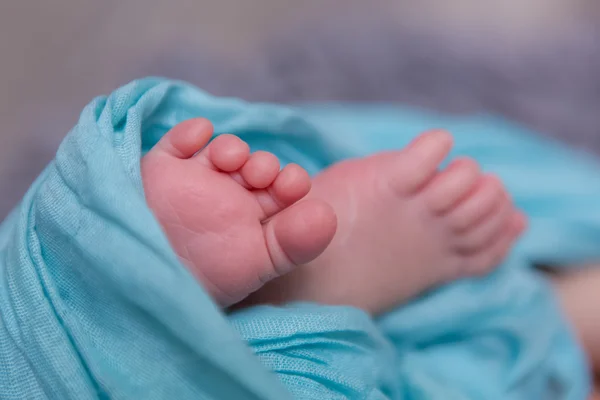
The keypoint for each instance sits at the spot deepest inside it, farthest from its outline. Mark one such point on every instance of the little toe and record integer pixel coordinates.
(185, 139)
(486, 260)
(519, 223)
(419, 161)
(486, 196)
(486, 231)
(299, 234)
(260, 170)
(452, 185)
(226, 153)
(290, 185)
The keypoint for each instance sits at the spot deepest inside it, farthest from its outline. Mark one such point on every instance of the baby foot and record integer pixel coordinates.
(232, 216)
(403, 227)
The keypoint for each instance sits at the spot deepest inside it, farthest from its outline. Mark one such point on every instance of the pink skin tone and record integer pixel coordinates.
(242, 226)
(236, 220)
(404, 226)
(580, 299)
(232, 217)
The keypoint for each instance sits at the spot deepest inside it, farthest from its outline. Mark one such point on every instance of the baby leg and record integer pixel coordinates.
(579, 293)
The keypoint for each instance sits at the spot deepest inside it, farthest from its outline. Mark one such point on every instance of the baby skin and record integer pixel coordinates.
(237, 221)
(232, 217)
(404, 226)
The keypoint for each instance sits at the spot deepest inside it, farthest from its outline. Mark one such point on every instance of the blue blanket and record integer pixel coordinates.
(94, 303)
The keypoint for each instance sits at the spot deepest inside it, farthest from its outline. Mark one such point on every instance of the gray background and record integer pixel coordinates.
(536, 61)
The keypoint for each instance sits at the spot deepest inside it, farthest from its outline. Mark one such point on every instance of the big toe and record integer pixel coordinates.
(416, 164)
(299, 234)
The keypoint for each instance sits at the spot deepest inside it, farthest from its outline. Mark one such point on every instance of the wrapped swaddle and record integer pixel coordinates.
(94, 303)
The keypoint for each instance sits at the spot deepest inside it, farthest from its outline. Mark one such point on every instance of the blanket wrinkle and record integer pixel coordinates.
(95, 304)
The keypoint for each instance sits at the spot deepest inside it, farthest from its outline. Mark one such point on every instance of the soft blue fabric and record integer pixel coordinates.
(94, 304)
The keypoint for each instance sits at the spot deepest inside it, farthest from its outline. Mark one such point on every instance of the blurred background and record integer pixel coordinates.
(534, 61)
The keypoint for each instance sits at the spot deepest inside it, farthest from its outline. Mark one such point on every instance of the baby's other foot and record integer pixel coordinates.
(232, 217)
(403, 227)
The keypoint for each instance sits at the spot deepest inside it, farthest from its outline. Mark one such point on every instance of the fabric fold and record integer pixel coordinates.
(95, 304)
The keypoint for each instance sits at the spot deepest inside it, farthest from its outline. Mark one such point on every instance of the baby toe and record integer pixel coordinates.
(413, 166)
(518, 223)
(451, 185)
(185, 139)
(299, 234)
(260, 170)
(483, 234)
(484, 261)
(226, 152)
(290, 185)
(485, 197)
